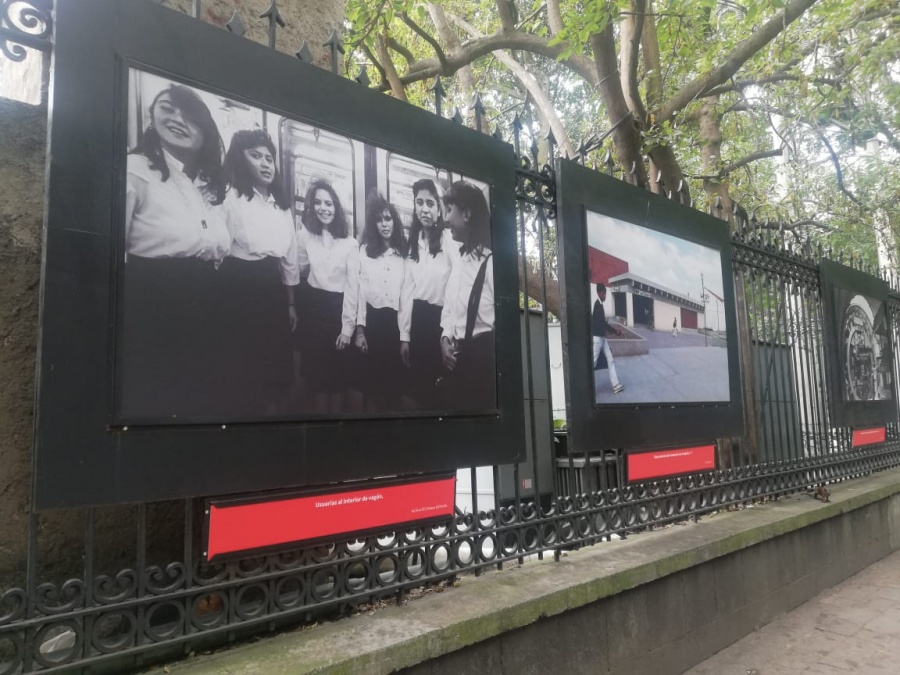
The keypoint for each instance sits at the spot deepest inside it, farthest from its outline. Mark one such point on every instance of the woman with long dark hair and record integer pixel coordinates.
(430, 261)
(467, 321)
(175, 238)
(385, 302)
(259, 276)
(329, 257)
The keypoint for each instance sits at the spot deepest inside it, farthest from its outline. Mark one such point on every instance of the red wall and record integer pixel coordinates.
(688, 318)
(603, 266)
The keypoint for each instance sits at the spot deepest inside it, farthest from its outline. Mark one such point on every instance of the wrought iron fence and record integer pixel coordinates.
(116, 604)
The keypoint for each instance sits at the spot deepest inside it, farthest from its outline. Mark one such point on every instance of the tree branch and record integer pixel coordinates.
(793, 9)
(390, 71)
(400, 49)
(442, 58)
(631, 29)
(743, 84)
(507, 20)
(626, 136)
(532, 86)
(554, 17)
(470, 50)
(837, 167)
(734, 166)
(749, 159)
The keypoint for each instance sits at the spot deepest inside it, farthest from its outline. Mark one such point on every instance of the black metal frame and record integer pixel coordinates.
(599, 427)
(150, 603)
(81, 458)
(852, 413)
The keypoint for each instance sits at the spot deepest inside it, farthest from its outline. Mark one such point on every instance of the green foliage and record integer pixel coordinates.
(831, 79)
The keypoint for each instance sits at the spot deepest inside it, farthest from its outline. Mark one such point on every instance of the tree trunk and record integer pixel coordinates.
(626, 136)
(710, 154)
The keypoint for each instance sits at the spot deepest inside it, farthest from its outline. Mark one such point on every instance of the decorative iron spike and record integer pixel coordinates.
(439, 91)
(236, 24)
(478, 107)
(534, 149)
(457, 116)
(609, 162)
(363, 77)
(304, 54)
(517, 135)
(275, 20)
(337, 47)
(551, 143)
(498, 134)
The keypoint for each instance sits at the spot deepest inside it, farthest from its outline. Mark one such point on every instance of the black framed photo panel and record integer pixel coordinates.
(857, 339)
(259, 275)
(649, 316)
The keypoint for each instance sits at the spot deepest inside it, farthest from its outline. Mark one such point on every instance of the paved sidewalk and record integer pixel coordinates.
(851, 628)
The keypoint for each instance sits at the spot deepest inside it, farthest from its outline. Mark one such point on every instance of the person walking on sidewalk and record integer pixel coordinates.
(675, 327)
(600, 328)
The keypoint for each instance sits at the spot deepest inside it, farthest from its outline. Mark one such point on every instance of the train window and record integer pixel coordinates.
(309, 153)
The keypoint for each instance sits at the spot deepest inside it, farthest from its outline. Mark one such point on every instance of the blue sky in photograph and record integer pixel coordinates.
(669, 261)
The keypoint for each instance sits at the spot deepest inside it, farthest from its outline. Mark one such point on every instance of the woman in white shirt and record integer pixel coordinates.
(430, 259)
(385, 303)
(259, 277)
(467, 321)
(329, 258)
(175, 237)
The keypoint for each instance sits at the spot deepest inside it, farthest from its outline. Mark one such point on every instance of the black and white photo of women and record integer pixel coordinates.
(259, 277)
(175, 239)
(385, 304)
(429, 261)
(329, 258)
(467, 320)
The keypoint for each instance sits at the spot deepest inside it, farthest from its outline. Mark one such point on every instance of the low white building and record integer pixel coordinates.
(647, 303)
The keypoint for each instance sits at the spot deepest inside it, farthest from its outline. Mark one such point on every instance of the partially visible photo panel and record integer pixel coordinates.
(273, 270)
(863, 342)
(658, 326)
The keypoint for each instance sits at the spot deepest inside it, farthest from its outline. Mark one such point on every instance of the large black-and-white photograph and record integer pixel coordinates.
(658, 320)
(863, 342)
(271, 269)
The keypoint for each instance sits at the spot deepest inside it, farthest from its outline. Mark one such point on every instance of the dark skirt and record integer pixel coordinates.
(472, 385)
(425, 355)
(169, 353)
(382, 368)
(257, 336)
(326, 369)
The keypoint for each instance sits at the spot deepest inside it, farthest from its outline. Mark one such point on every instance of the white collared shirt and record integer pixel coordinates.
(260, 229)
(430, 273)
(333, 265)
(171, 218)
(459, 289)
(383, 283)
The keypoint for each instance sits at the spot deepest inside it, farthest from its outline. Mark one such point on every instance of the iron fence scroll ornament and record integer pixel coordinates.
(25, 23)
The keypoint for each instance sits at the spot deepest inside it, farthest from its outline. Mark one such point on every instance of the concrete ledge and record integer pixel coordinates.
(742, 585)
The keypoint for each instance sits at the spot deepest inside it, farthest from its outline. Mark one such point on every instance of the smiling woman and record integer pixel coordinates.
(175, 239)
